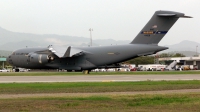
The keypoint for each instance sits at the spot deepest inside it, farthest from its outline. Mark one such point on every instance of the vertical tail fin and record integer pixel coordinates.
(157, 27)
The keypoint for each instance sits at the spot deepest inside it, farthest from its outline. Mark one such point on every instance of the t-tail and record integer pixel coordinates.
(157, 27)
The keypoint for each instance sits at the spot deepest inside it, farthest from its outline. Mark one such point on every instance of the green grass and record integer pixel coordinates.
(119, 103)
(97, 73)
(187, 102)
(93, 87)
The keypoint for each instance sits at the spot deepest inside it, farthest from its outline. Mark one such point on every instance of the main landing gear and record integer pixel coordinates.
(86, 71)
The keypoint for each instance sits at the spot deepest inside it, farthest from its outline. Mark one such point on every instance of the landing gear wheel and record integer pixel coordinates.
(86, 72)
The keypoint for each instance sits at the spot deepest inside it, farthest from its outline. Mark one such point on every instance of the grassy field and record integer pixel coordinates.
(94, 87)
(184, 102)
(98, 73)
(118, 103)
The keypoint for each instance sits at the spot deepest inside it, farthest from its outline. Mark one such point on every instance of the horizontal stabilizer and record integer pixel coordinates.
(166, 14)
(186, 17)
(177, 15)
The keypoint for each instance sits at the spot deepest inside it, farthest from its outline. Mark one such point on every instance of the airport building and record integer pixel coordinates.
(3, 60)
(181, 60)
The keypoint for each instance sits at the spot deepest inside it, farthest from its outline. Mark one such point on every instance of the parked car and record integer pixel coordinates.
(21, 70)
(133, 69)
(4, 70)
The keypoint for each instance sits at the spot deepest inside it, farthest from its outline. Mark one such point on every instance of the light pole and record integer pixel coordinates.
(196, 49)
(90, 36)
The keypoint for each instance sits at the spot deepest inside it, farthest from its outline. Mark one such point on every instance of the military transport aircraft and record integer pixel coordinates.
(88, 58)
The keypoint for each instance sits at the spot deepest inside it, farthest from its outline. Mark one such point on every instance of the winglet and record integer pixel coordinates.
(72, 52)
(67, 53)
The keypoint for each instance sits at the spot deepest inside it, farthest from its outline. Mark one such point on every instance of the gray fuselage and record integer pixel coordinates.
(93, 58)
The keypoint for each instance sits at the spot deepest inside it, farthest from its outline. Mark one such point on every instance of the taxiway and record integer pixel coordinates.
(95, 78)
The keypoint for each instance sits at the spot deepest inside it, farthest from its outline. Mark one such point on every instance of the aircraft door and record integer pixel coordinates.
(28, 58)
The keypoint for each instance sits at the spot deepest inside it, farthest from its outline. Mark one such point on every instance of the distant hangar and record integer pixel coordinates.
(181, 60)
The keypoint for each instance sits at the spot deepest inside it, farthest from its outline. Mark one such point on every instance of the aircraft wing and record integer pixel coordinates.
(62, 52)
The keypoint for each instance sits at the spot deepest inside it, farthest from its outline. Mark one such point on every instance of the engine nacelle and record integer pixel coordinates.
(39, 58)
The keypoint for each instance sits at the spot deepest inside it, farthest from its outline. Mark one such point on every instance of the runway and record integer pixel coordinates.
(95, 78)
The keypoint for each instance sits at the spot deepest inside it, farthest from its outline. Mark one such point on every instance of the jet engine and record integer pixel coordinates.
(40, 58)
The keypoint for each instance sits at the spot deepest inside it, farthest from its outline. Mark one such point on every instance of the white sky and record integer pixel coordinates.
(115, 19)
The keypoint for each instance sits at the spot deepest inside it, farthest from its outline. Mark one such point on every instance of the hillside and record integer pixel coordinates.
(14, 40)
